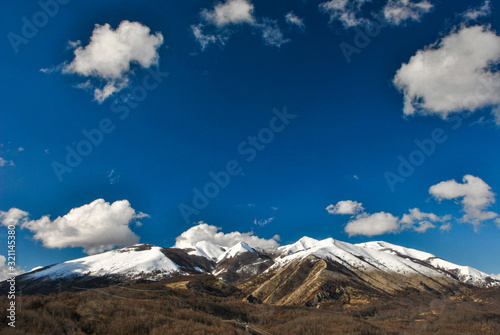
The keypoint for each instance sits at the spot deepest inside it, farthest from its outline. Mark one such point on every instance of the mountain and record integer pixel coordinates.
(309, 271)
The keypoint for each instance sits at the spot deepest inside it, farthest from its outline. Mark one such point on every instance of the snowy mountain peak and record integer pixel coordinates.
(401, 267)
(397, 250)
(207, 249)
(236, 249)
(303, 244)
(130, 261)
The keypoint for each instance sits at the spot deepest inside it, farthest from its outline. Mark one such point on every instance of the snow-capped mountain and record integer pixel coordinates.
(308, 271)
(235, 250)
(133, 262)
(466, 274)
(206, 249)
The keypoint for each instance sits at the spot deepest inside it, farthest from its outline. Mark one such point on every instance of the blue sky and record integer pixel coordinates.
(174, 91)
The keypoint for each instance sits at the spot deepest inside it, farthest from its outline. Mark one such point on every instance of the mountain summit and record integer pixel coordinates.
(308, 271)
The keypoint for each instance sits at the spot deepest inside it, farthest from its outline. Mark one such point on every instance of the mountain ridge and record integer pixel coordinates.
(309, 271)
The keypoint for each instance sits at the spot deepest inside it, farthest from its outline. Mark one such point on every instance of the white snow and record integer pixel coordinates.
(379, 255)
(207, 249)
(36, 268)
(125, 261)
(466, 274)
(302, 244)
(396, 249)
(236, 249)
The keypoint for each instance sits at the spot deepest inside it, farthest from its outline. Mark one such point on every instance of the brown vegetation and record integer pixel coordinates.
(204, 304)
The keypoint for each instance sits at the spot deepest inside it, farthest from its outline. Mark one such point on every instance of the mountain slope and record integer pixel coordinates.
(308, 271)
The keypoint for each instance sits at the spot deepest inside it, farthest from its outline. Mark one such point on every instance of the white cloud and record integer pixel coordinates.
(73, 44)
(452, 75)
(111, 53)
(230, 12)
(445, 227)
(371, 225)
(206, 39)
(20, 149)
(366, 224)
(5, 270)
(96, 227)
(13, 217)
(420, 221)
(263, 222)
(348, 12)
(4, 162)
(398, 11)
(348, 207)
(478, 12)
(234, 12)
(294, 20)
(209, 233)
(271, 33)
(474, 195)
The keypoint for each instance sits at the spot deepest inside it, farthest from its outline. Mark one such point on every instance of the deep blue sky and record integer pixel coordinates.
(349, 123)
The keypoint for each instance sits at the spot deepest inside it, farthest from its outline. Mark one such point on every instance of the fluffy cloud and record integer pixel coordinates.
(348, 207)
(420, 221)
(111, 53)
(398, 11)
(366, 224)
(474, 195)
(348, 12)
(209, 233)
(371, 225)
(4, 162)
(96, 227)
(226, 15)
(4, 269)
(13, 216)
(230, 12)
(294, 20)
(453, 75)
(478, 12)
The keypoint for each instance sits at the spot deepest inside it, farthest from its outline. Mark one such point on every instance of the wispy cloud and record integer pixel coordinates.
(263, 222)
(220, 22)
(475, 13)
(294, 20)
(112, 176)
(397, 12)
(4, 162)
(351, 13)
